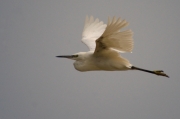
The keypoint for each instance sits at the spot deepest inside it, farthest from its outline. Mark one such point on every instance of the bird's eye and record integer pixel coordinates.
(75, 55)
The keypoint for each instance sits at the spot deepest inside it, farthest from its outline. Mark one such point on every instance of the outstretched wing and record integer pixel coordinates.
(93, 29)
(114, 39)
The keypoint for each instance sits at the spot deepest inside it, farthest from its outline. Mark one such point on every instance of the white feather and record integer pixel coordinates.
(115, 39)
(93, 29)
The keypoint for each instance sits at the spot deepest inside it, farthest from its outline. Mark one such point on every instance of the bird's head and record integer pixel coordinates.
(76, 56)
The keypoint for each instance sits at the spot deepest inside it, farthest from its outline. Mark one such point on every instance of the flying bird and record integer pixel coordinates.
(105, 43)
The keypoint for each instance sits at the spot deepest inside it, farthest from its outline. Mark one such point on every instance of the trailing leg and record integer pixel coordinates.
(157, 72)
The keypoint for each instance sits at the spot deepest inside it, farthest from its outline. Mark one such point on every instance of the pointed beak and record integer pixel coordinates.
(65, 56)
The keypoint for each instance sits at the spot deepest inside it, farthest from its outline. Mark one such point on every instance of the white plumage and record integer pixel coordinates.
(93, 29)
(105, 42)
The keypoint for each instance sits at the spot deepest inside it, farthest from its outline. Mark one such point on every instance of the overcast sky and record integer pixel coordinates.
(34, 84)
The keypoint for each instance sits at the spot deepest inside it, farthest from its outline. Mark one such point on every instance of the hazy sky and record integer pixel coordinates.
(34, 84)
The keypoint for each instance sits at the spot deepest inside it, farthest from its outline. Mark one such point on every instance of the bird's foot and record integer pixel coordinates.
(160, 73)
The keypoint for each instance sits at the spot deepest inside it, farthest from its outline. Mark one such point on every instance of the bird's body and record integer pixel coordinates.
(111, 62)
(105, 43)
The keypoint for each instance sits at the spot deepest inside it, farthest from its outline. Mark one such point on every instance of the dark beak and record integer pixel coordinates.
(65, 56)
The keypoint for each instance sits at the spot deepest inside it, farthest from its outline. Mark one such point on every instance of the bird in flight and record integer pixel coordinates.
(105, 43)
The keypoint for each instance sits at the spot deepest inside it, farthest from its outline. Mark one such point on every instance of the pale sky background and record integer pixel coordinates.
(34, 84)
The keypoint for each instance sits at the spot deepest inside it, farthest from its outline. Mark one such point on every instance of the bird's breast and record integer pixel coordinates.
(85, 66)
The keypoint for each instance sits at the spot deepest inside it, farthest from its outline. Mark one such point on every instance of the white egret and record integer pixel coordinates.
(105, 42)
